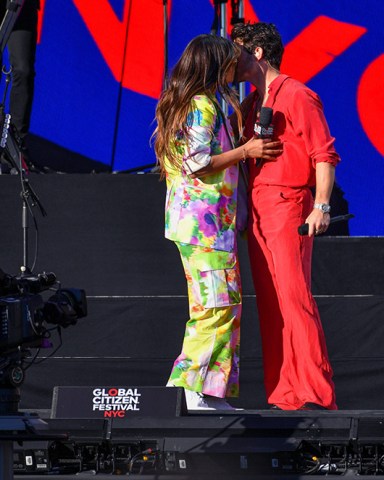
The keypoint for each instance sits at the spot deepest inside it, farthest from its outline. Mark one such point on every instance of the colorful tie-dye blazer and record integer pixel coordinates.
(202, 211)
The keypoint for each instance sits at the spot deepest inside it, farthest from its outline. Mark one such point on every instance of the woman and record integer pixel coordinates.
(194, 150)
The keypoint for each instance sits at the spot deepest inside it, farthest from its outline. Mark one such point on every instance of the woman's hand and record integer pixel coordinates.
(254, 148)
(262, 148)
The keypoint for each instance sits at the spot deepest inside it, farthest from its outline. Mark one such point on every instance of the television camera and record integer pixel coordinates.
(26, 319)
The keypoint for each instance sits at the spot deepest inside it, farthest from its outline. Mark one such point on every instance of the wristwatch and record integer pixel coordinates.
(324, 207)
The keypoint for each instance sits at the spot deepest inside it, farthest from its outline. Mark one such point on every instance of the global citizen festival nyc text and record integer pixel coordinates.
(116, 401)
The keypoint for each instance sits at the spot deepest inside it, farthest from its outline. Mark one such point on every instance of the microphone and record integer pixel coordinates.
(304, 228)
(263, 128)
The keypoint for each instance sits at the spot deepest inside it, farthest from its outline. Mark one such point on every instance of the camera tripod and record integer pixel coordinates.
(15, 426)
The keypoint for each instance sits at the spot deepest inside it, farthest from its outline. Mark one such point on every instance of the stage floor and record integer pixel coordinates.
(105, 234)
(201, 445)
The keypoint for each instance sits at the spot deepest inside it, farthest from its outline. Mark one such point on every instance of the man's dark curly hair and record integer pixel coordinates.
(264, 35)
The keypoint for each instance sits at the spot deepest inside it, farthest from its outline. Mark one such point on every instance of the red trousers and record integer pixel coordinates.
(296, 364)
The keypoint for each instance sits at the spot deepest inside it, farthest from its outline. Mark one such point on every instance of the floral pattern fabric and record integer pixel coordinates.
(209, 360)
(202, 211)
(200, 217)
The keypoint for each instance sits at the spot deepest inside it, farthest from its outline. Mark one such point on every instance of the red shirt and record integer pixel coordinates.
(299, 123)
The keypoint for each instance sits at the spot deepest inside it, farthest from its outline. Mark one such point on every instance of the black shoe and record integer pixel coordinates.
(275, 407)
(27, 164)
(45, 169)
(30, 167)
(312, 406)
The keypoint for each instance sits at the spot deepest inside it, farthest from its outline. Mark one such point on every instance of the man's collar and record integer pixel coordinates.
(274, 87)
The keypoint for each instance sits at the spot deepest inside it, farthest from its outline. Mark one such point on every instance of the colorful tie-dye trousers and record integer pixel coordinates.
(209, 360)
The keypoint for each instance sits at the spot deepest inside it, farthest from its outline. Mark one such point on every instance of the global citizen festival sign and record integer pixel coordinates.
(115, 402)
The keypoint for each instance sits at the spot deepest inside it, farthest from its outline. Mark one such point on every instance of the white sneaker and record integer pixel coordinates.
(198, 401)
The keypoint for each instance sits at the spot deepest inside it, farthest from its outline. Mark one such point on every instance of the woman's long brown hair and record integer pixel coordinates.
(201, 69)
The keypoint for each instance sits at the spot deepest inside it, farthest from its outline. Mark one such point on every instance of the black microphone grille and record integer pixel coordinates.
(265, 118)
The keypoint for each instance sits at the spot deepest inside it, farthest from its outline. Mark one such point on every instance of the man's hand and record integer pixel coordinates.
(318, 222)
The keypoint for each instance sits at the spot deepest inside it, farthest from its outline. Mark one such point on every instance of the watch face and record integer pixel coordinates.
(326, 208)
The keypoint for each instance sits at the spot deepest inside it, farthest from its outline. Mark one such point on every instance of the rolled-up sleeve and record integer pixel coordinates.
(198, 150)
(310, 123)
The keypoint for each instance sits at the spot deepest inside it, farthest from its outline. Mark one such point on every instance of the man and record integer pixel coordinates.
(21, 47)
(297, 372)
